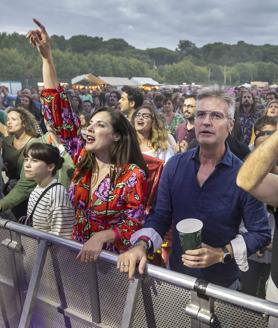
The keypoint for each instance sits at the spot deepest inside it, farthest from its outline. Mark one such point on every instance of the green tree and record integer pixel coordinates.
(162, 56)
(84, 43)
(186, 47)
(58, 42)
(12, 65)
(115, 45)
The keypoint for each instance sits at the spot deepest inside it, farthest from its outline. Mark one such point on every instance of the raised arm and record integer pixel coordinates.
(254, 175)
(58, 114)
(40, 39)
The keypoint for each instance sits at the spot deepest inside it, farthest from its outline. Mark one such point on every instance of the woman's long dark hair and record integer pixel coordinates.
(126, 150)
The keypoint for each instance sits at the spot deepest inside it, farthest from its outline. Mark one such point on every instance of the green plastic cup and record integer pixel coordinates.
(190, 233)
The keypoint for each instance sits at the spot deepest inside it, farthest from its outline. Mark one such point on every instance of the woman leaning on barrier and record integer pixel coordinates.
(109, 182)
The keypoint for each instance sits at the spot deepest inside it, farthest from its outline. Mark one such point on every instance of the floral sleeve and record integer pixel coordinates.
(62, 119)
(134, 214)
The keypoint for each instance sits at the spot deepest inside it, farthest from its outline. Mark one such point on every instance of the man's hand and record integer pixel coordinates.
(261, 252)
(202, 257)
(40, 39)
(128, 260)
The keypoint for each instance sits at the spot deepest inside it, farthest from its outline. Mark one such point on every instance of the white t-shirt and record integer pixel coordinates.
(165, 155)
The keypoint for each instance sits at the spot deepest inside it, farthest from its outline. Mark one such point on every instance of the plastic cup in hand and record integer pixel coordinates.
(190, 233)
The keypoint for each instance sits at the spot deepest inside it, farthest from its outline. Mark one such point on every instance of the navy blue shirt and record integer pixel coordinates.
(220, 204)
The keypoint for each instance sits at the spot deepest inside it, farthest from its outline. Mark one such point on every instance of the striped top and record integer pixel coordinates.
(54, 213)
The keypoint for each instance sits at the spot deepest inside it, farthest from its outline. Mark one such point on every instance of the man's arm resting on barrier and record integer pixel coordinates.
(254, 175)
(144, 241)
(137, 254)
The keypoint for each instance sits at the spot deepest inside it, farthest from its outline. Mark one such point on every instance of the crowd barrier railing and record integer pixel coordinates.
(42, 285)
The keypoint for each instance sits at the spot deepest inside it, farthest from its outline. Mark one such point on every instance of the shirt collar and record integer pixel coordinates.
(227, 159)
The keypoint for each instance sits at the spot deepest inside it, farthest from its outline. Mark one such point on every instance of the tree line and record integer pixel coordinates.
(212, 63)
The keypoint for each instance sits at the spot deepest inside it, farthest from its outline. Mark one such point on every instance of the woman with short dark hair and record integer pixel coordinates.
(49, 202)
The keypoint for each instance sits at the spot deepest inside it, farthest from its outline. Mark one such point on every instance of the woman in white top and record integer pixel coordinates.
(54, 212)
(152, 135)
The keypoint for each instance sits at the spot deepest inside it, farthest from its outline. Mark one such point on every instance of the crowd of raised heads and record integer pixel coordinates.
(117, 168)
(170, 109)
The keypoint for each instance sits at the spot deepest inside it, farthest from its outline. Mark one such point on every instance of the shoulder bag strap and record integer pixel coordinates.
(41, 196)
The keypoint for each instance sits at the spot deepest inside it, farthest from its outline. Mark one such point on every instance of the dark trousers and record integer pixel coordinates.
(253, 281)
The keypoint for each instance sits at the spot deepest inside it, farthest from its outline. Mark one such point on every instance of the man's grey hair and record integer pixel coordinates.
(217, 92)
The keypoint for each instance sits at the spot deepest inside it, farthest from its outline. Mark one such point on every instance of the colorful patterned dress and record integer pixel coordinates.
(117, 204)
(176, 121)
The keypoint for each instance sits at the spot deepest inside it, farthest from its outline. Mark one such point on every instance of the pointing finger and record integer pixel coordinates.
(39, 24)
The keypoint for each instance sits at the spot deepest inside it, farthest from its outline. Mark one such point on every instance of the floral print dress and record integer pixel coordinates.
(116, 204)
(176, 121)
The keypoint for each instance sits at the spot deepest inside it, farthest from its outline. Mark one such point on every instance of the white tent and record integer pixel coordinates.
(144, 81)
(117, 81)
(87, 79)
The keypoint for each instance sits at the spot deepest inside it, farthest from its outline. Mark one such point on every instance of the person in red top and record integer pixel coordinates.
(109, 183)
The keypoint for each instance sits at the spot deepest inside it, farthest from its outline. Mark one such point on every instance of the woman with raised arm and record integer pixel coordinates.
(109, 182)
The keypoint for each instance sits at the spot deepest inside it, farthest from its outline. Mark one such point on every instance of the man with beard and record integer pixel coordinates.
(185, 132)
(131, 99)
(113, 98)
(246, 116)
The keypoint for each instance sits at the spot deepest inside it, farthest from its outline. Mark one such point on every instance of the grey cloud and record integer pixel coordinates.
(146, 24)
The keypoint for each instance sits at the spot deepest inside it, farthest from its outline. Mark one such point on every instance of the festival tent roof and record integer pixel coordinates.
(117, 81)
(87, 79)
(144, 81)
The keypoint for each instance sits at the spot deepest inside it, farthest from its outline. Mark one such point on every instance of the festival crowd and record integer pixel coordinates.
(117, 170)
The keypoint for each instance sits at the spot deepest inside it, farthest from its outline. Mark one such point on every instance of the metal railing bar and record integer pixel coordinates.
(33, 285)
(172, 277)
(94, 294)
(243, 300)
(130, 303)
(72, 313)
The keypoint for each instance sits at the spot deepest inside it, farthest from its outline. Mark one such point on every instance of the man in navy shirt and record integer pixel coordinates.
(201, 184)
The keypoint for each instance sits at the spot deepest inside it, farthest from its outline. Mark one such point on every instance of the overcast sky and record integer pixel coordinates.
(149, 24)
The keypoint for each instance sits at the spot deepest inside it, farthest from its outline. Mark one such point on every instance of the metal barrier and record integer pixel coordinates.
(42, 285)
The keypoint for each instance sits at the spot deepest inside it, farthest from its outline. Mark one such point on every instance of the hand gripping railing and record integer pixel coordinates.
(198, 288)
